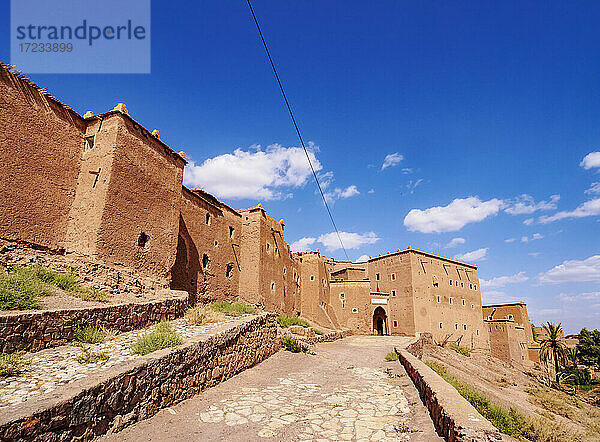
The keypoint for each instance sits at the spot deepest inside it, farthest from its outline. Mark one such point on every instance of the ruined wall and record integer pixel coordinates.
(140, 220)
(41, 141)
(270, 275)
(208, 247)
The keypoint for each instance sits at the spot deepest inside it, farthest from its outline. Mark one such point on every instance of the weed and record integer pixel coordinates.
(290, 344)
(92, 294)
(89, 334)
(318, 332)
(510, 421)
(163, 336)
(391, 356)
(286, 321)
(12, 364)
(203, 314)
(89, 357)
(21, 291)
(460, 349)
(233, 309)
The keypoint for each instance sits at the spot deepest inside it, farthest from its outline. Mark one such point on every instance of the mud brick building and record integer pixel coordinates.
(106, 189)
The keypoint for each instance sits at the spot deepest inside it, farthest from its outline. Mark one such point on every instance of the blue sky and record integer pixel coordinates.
(484, 110)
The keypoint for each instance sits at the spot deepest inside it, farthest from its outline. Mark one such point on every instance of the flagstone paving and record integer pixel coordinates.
(344, 392)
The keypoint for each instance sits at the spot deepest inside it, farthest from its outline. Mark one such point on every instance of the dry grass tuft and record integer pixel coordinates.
(203, 314)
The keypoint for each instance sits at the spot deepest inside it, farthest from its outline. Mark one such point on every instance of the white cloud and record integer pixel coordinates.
(350, 240)
(528, 221)
(588, 296)
(534, 254)
(338, 193)
(510, 239)
(587, 270)
(475, 255)
(497, 297)
(501, 281)
(594, 189)
(589, 208)
(371, 191)
(391, 160)
(526, 205)
(533, 237)
(362, 258)
(407, 170)
(412, 185)
(455, 242)
(303, 244)
(452, 217)
(591, 160)
(253, 173)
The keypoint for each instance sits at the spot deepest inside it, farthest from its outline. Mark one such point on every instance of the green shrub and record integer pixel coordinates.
(318, 332)
(460, 349)
(12, 364)
(89, 357)
(203, 314)
(163, 336)
(22, 287)
(89, 334)
(233, 309)
(290, 344)
(510, 421)
(286, 321)
(21, 290)
(391, 356)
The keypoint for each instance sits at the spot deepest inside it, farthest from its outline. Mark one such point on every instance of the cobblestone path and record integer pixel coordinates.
(344, 392)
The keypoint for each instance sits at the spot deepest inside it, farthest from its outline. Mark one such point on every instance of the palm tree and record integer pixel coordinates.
(572, 355)
(553, 348)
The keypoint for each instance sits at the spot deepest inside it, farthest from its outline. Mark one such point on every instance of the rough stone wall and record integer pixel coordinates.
(144, 196)
(36, 330)
(270, 274)
(40, 147)
(454, 417)
(210, 229)
(139, 389)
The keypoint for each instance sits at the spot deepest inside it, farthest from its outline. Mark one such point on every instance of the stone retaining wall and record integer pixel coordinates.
(454, 417)
(308, 336)
(36, 330)
(138, 389)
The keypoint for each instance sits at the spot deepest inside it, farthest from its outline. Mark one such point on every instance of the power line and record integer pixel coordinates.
(287, 103)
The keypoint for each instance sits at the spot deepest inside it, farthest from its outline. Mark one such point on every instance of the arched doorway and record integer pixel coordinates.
(380, 326)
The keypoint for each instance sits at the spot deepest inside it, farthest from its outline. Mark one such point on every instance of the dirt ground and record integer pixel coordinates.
(346, 391)
(502, 384)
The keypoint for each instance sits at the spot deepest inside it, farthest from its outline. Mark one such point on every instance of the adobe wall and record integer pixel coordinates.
(207, 228)
(270, 274)
(40, 162)
(518, 310)
(315, 284)
(447, 293)
(508, 341)
(144, 195)
(400, 307)
(351, 302)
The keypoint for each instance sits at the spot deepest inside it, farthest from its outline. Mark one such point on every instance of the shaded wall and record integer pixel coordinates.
(40, 147)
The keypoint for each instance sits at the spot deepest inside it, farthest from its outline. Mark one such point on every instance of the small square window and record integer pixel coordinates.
(377, 277)
(462, 284)
(450, 282)
(393, 276)
(393, 292)
(450, 300)
(456, 326)
(477, 332)
(312, 277)
(231, 232)
(208, 219)
(464, 326)
(475, 287)
(441, 324)
(464, 302)
(89, 142)
(395, 323)
(439, 299)
(354, 310)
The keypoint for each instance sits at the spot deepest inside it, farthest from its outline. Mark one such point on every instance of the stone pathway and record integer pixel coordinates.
(344, 392)
(54, 367)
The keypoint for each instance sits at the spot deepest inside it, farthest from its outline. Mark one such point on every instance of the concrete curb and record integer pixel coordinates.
(454, 418)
